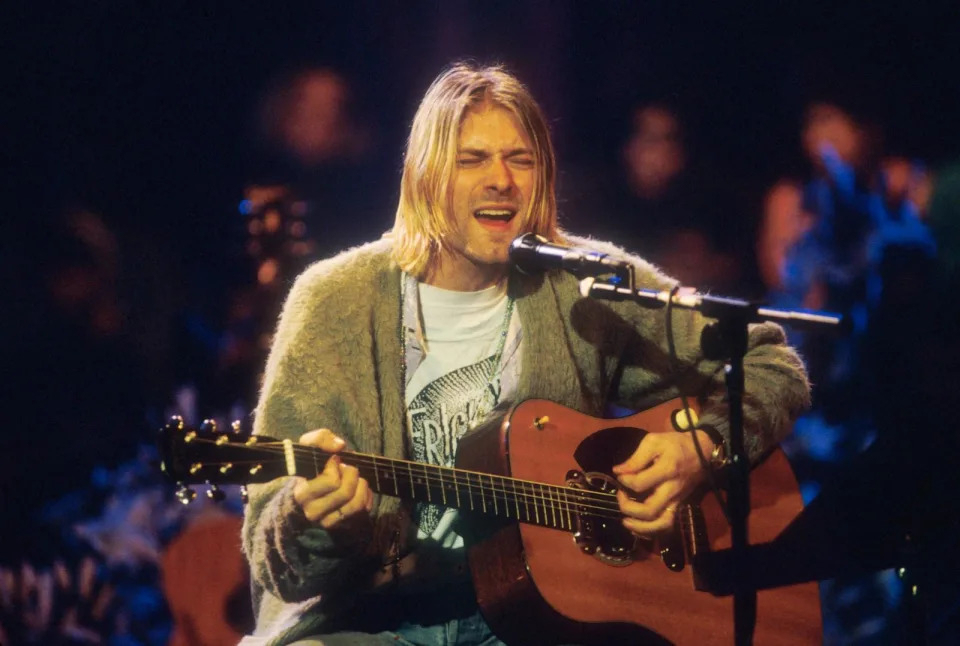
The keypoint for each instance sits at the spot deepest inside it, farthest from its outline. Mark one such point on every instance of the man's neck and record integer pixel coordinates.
(465, 276)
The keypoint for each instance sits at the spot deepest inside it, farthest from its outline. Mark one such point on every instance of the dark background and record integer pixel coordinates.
(145, 113)
(144, 110)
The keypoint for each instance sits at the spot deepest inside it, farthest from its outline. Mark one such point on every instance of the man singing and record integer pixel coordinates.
(401, 346)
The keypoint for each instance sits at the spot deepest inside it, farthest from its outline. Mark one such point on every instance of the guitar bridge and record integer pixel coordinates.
(599, 534)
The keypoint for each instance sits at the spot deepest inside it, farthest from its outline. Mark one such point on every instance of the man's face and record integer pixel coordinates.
(492, 184)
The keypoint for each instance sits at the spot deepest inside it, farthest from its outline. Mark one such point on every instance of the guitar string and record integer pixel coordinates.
(453, 473)
(552, 498)
(556, 504)
(566, 497)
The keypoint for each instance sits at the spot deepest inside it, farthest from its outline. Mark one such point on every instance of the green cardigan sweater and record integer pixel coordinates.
(336, 362)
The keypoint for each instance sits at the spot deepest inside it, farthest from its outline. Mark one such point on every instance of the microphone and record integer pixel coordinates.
(531, 253)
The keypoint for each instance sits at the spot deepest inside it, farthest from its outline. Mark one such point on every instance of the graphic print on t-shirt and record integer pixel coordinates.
(440, 414)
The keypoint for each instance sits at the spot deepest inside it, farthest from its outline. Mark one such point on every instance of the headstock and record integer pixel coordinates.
(206, 455)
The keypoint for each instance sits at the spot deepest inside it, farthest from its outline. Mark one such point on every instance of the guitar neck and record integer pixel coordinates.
(205, 456)
(535, 503)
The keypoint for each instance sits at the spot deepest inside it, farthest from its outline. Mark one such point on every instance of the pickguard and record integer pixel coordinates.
(606, 539)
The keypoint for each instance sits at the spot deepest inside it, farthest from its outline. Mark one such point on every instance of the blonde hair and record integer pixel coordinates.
(422, 224)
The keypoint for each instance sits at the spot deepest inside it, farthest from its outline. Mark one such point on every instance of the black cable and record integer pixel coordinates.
(704, 464)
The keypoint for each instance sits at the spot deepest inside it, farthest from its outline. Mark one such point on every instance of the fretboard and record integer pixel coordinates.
(535, 503)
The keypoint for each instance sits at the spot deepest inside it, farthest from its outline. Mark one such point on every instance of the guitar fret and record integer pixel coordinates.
(483, 499)
(376, 472)
(553, 507)
(526, 500)
(396, 485)
(566, 500)
(548, 502)
(516, 500)
(506, 498)
(493, 489)
(536, 509)
(558, 491)
(557, 506)
(443, 489)
(456, 489)
(543, 501)
(470, 491)
(532, 501)
(426, 482)
(413, 492)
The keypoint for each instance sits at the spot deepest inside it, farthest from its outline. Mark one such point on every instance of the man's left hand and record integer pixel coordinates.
(665, 466)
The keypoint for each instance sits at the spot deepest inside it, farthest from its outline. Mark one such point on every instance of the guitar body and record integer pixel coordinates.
(536, 586)
(206, 583)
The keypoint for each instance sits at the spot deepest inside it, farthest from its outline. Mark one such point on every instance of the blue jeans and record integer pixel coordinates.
(444, 617)
(468, 631)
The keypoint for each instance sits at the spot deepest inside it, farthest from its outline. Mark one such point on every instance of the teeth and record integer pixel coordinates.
(495, 213)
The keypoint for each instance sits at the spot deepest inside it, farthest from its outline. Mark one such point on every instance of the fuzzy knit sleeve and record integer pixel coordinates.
(289, 557)
(776, 386)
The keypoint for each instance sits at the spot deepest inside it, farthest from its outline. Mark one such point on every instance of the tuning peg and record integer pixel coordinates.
(244, 494)
(237, 426)
(185, 494)
(215, 493)
(175, 423)
(209, 425)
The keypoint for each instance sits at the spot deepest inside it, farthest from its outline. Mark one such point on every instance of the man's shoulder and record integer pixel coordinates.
(364, 262)
(335, 282)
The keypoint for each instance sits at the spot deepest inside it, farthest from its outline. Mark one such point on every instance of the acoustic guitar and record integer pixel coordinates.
(549, 557)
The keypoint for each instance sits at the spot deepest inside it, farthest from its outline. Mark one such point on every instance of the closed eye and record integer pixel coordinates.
(521, 161)
(469, 161)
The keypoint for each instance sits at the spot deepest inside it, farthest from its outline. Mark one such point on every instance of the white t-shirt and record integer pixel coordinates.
(452, 382)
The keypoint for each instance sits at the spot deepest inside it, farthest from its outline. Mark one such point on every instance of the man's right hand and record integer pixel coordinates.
(337, 498)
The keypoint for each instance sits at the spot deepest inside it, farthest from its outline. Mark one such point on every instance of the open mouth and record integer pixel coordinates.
(494, 216)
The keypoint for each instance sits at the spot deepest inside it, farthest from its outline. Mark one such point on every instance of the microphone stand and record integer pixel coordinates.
(729, 343)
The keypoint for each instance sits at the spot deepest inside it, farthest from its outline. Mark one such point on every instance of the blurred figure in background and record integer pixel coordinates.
(309, 193)
(278, 246)
(938, 576)
(784, 221)
(851, 240)
(315, 140)
(656, 157)
(307, 118)
(848, 226)
(78, 385)
(78, 388)
(667, 208)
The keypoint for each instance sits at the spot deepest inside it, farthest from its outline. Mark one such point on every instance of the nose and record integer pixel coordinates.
(500, 178)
